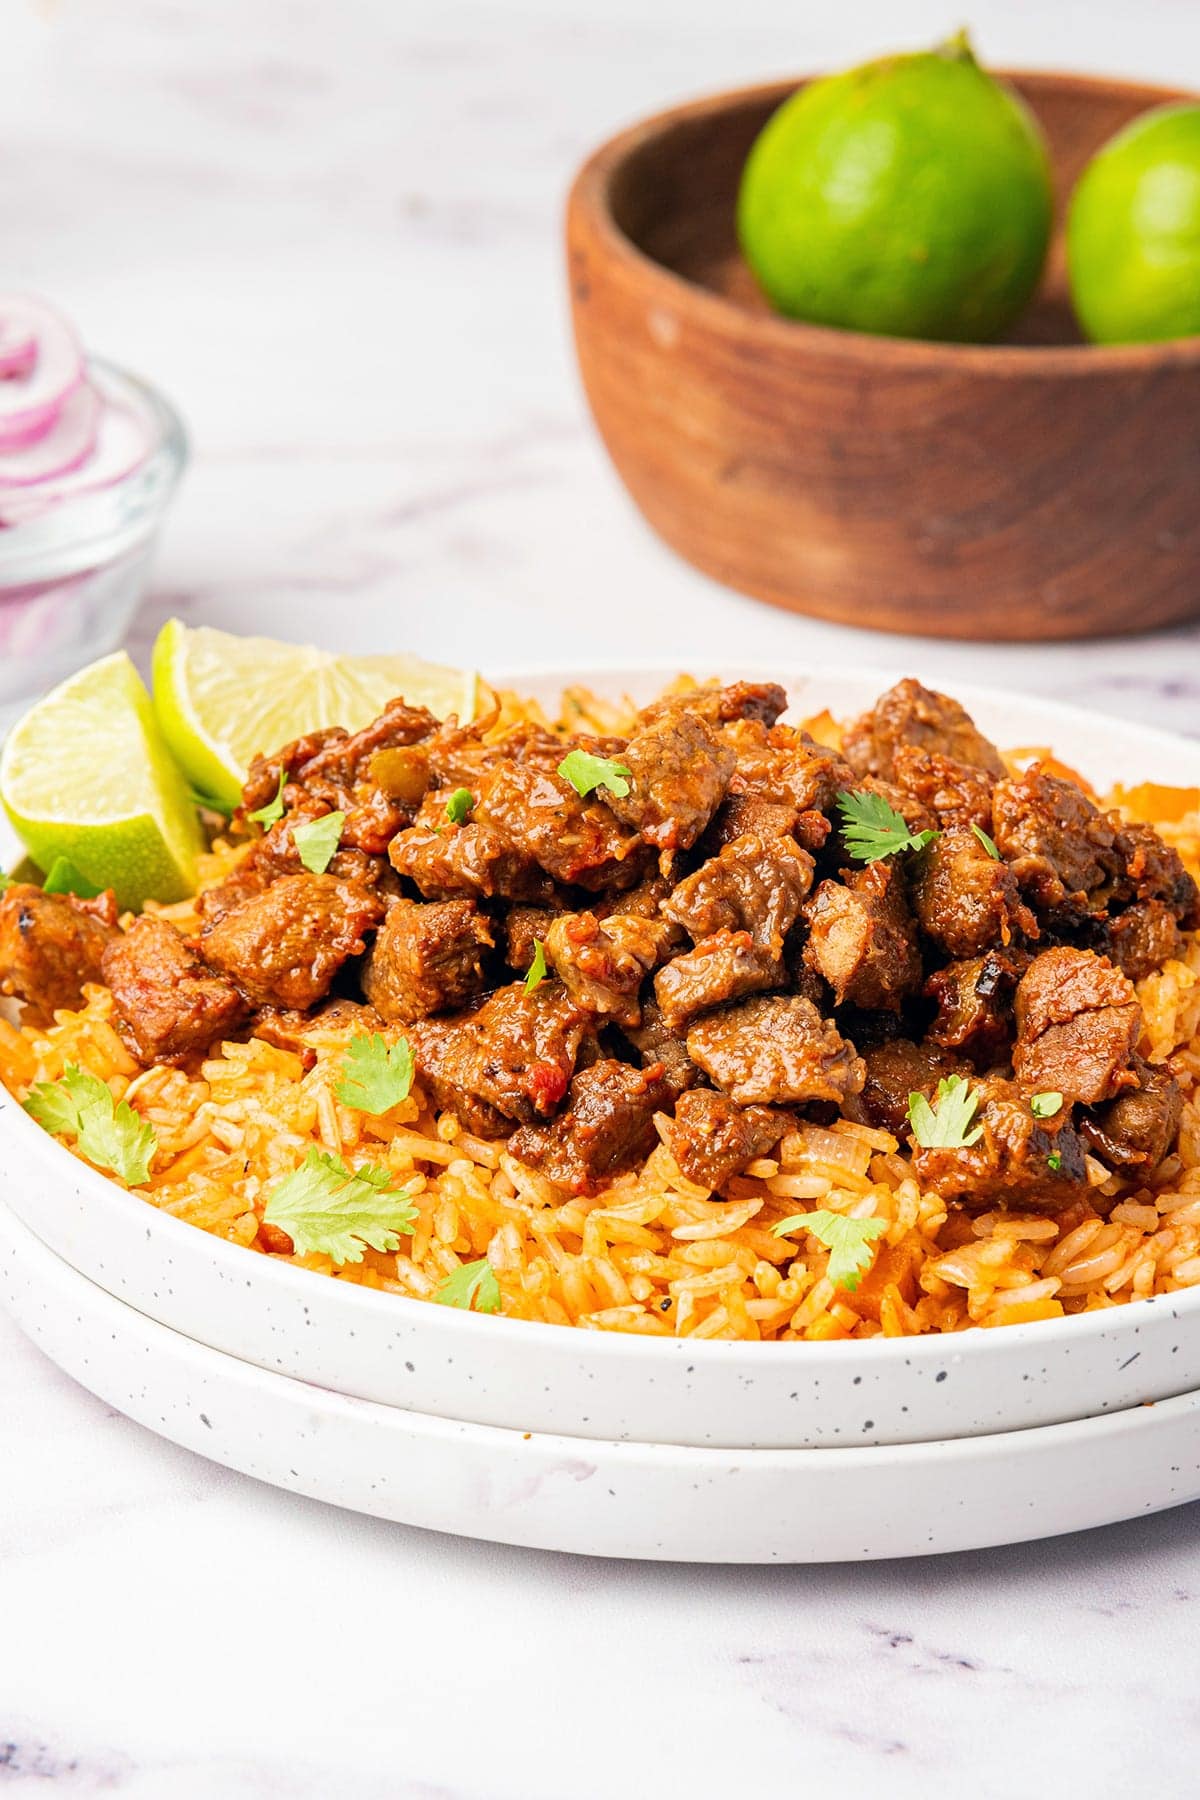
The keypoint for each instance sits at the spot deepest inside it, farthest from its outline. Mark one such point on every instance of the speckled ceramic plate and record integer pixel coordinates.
(506, 1373)
(657, 1501)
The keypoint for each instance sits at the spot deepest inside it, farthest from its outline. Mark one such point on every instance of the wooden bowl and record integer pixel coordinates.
(1037, 488)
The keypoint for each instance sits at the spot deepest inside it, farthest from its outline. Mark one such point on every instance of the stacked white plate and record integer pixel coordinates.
(605, 1443)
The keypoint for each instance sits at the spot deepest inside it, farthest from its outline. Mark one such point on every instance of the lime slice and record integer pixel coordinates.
(222, 700)
(86, 775)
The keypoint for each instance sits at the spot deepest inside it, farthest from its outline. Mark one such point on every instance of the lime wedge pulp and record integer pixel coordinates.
(86, 775)
(221, 699)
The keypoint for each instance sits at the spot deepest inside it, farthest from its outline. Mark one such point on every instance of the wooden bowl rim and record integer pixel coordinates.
(590, 203)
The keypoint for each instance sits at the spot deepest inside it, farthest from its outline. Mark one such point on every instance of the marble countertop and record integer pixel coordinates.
(331, 233)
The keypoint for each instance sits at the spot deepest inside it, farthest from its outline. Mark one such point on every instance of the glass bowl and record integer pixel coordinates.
(71, 578)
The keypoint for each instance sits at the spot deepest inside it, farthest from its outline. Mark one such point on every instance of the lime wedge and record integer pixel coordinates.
(86, 775)
(222, 700)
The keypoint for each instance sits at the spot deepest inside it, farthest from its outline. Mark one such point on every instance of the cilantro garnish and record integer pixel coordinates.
(848, 1241)
(987, 842)
(338, 1211)
(109, 1134)
(64, 878)
(874, 829)
(459, 805)
(317, 842)
(536, 972)
(272, 812)
(1054, 1161)
(376, 1075)
(585, 772)
(944, 1125)
(1044, 1106)
(473, 1287)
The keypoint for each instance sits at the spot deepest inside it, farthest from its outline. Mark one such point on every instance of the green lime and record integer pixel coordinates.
(222, 699)
(86, 775)
(1133, 233)
(909, 197)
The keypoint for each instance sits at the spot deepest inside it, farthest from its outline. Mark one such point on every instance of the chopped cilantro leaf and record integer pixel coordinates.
(585, 772)
(337, 1211)
(64, 878)
(272, 812)
(1054, 1161)
(847, 1240)
(1044, 1106)
(536, 973)
(376, 1075)
(108, 1133)
(873, 828)
(987, 842)
(459, 805)
(946, 1123)
(316, 843)
(473, 1287)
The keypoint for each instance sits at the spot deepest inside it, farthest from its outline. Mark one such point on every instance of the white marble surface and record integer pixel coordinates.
(331, 233)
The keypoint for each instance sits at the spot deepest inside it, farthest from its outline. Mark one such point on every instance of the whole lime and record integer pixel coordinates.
(910, 197)
(1133, 232)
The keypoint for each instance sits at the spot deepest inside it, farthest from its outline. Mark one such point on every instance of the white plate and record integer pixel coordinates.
(654, 1390)
(656, 1501)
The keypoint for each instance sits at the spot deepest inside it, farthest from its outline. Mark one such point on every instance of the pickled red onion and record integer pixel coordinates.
(33, 393)
(68, 440)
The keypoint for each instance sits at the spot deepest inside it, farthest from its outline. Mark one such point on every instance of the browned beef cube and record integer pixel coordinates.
(657, 1042)
(50, 944)
(284, 947)
(678, 772)
(514, 1054)
(756, 885)
(426, 958)
(712, 1138)
(1018, 1160)
(1062, 849)
(954, 792)
(746, 814)
(262, 782)
(347, 759)
(964, 899)
(1134, 1132)
(607, 1126)
(172, 1004)
(602, 964)
(448, 862)
(975, 1004)
(288, 1029)
(1154, 871)
(525, 927)
(862, 938)
(761, 701)
(574, 840)
(1078, 1022)
(786, 768)
(724, 967)
(911, 714)
(1140, 939)
(896, 1070)
(777, 1049)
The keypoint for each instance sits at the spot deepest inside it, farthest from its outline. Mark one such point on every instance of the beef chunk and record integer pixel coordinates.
(574, 840)
(955, 793)
(1078, 1021)
(50, 944)
(171, 1003)
(1017, 1161)
(471, 861)
(750, 814)
(1134, 1132)
(513, 1055)
(1140, 939)
(911, 714)
(602, 964)
(284, 947)
(656, 1042)
(1062, 849)
(760, 701)
(723, 967)
(964, 899)
(262, 783)
(754, 885)
(713, 1139)
(679, 770)
(1155, 871)
(895, 1070)
(426, 959)
(608, 1125)
(525, 927)
(786, 768)
(288, 1029)
(975, 1004)
(345, 758)
(862, 937)
(768, 1050)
